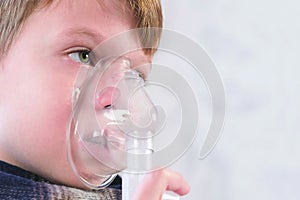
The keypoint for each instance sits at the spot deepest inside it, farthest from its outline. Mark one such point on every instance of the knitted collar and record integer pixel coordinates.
(17, 183)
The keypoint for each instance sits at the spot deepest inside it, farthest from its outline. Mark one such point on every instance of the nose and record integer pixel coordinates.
(121, 86)
(107, 92)
(106, 97)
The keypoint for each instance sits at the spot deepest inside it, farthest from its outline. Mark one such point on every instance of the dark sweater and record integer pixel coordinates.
(17, 183)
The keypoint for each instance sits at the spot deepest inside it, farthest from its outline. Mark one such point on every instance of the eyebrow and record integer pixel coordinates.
(92, 36)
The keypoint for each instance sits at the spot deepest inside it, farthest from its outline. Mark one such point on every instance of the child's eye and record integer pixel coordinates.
(81, 56)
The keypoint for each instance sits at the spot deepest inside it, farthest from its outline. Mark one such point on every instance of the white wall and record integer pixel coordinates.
(256, 47)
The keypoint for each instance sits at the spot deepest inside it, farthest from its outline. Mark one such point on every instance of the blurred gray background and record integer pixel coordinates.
(256, 47)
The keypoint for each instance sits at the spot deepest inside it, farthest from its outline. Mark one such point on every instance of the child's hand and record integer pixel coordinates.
(156, 183)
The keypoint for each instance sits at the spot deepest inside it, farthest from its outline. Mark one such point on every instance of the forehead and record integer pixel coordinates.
(115, 7)
(94, 18)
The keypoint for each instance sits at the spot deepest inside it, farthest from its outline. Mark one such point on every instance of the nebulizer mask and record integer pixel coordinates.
(123, 121)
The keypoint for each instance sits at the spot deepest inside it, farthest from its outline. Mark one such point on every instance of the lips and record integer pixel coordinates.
(108, 147)
(111, 138)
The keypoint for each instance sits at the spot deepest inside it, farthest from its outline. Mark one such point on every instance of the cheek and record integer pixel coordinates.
(55, 108)
(37, 119)
(44, 112)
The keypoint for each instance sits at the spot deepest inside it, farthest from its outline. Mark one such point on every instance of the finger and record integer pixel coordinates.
(156, 183)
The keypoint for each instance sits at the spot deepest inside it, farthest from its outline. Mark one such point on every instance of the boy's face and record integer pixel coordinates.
(37, 77)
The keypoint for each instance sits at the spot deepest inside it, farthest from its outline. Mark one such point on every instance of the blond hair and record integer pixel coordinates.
(14, 13)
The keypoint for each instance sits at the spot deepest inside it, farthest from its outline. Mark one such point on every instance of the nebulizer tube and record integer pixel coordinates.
(131, 181)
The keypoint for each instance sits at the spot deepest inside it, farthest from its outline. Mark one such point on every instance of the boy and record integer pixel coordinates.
(42, 45)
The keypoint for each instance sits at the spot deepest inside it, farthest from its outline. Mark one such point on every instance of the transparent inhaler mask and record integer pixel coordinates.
(112, 115)
(121, 122)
